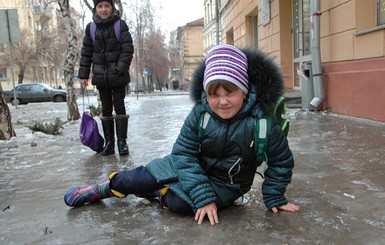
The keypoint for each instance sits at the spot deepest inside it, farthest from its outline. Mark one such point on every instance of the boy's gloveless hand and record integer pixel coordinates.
(289, 207)
(210, 210)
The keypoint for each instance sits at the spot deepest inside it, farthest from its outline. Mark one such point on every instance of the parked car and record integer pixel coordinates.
(35, 92)
(139, 88)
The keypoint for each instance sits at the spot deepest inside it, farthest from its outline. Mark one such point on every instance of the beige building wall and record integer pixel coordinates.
(26, 22)
(24, 10)
(349, 31)
(190, 39)
(352, 48)
(242, 26)
(353, 58)
(210, 25)
(35, 17)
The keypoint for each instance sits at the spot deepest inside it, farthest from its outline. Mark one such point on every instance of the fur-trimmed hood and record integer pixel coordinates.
(265, 79)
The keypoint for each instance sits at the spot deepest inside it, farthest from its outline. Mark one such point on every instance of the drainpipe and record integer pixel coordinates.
(315, 54)
(217, 22)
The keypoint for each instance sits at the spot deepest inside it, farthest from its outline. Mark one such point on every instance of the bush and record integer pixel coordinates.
(52, 128)
(95, 110)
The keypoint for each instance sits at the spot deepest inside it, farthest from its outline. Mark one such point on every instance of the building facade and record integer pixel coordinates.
(189, 40)
(352, 41)
(41, 44)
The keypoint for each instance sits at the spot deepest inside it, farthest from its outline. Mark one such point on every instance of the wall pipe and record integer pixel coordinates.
(316, 54)
(217, 41)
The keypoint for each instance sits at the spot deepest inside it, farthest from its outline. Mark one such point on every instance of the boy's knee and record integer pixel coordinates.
(173, 202)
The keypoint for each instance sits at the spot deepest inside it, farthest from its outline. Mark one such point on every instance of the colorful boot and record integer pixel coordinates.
(79, 196)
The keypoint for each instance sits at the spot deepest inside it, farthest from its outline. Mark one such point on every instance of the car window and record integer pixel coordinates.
(24, 88)
(37, 88)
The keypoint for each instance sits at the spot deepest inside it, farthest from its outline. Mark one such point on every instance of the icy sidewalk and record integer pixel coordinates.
(338, 181)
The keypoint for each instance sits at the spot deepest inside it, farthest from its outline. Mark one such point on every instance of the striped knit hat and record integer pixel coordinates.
(226, 62)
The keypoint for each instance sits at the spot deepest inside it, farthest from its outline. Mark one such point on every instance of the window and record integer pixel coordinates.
(255, 31)
(380, 12)
(252, 30)
(29, 21)
(301, 30)
(3, 72)
(24, 88)
(230, 37)
(36, 88)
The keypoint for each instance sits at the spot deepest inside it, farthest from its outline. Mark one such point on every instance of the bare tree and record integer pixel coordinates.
(69, 63)
(26, 51)
(155, 57)
(6, 128)
(142, 19)
(55, 56)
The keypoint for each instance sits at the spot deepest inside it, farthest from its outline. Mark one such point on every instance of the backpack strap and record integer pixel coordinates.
(279, 110)
(116, 30)
(261, 136)
(92, 31)
(203, 121)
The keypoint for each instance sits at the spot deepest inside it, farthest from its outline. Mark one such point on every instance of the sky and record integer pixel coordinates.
(170, 13)
(176, 13)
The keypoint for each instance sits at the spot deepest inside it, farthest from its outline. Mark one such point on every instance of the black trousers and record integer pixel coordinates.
(140, 182)
(112, 99)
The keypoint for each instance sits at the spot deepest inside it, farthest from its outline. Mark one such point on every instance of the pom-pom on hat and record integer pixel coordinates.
(96, 2)
(226, 62)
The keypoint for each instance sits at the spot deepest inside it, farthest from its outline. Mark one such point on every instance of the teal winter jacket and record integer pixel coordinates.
(219, 165)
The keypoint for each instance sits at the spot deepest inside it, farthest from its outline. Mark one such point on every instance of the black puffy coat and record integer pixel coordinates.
(110, 58)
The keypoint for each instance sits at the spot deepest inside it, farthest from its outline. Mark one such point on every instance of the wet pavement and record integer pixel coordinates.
(339, 182)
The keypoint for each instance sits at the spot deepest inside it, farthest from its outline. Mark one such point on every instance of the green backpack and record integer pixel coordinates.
(262, 128)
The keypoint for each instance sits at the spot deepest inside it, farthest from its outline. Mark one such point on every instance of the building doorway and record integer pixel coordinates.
(301, 37)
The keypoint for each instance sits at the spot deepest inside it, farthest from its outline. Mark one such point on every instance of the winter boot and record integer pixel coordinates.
(121, 133)
(108, 130)
(79, 196)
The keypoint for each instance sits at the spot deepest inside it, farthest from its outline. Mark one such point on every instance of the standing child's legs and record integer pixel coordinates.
(107, 120)
(121, 119)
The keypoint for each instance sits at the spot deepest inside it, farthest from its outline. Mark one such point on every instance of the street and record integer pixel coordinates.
(339, 181)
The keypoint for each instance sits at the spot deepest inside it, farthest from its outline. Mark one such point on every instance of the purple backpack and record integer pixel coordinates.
(116, 30)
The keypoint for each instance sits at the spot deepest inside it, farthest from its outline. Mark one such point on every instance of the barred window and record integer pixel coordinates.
(380, 12)
(3, 73)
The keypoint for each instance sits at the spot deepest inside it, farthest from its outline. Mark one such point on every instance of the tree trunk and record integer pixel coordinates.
(6, 127)
(69, 63)
(21, 75)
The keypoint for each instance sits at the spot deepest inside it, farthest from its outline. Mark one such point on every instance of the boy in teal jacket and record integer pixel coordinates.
(208, 170)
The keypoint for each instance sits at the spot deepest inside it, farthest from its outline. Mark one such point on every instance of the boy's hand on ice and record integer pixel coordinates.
(211, 211)
(289, 207)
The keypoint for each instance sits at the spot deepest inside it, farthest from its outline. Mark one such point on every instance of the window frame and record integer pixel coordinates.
(380, 12)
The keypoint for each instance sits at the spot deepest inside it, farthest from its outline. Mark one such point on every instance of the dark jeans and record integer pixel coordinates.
(139, 181)
(112, 98)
